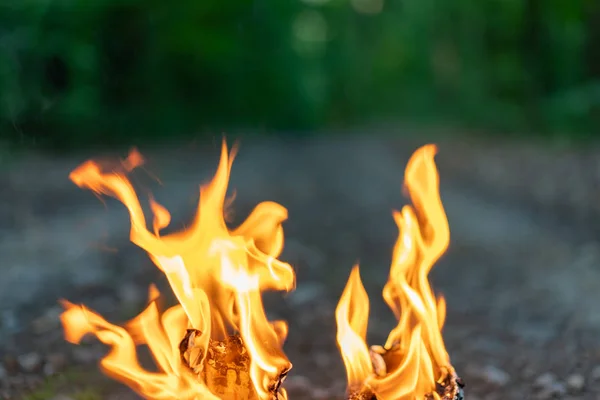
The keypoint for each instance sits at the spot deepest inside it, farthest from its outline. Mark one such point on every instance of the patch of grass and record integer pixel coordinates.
(88, 393)
(71, 383)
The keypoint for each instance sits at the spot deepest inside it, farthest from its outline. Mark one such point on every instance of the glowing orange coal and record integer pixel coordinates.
(414, 357)
(217, 275)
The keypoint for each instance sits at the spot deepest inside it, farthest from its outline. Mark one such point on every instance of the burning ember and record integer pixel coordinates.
(413, 363)
(217, 343)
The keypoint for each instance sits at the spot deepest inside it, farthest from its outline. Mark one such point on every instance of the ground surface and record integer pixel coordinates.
(521, 277)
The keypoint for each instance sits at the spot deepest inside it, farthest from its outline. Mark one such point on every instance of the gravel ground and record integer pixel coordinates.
(520, 278)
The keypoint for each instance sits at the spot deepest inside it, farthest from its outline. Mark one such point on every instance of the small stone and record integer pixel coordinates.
(30, 362)
(556, 389)
(595, 374)
(298, 382)
(549, 386)
(55, 363)
(489, 374)
(575, 382)
(544, 380)
(61, 397)
(495, 375)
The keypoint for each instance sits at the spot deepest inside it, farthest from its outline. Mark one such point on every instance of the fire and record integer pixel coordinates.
(414, 358)
(217, 275)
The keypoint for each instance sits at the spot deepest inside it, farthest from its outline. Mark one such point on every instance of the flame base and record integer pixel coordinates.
(362, 394)
(225, 368)
(450, 389)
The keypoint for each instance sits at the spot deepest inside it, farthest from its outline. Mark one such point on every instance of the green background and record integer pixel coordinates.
(100, 72)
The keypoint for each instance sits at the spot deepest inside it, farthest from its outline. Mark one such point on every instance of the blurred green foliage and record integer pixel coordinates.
(76, 72)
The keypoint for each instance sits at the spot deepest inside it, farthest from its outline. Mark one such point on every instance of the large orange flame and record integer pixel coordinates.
(415, 357)
(217, 275)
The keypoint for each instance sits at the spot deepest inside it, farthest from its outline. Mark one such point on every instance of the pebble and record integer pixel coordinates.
(595, 374)
(30, 362)
(575, 382)
(489, 374)
(298, 383)
(495, 375)
(544, 380)
(556, 389)
(549, 386)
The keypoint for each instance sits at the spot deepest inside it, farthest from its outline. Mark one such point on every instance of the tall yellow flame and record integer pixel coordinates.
(415, 355)
(217, 275)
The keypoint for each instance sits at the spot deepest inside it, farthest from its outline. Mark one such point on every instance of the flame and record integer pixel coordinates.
(351, 315)
(414, 357)
(217, 275)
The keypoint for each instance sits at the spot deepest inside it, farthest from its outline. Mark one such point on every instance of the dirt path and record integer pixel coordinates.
(522, 285)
